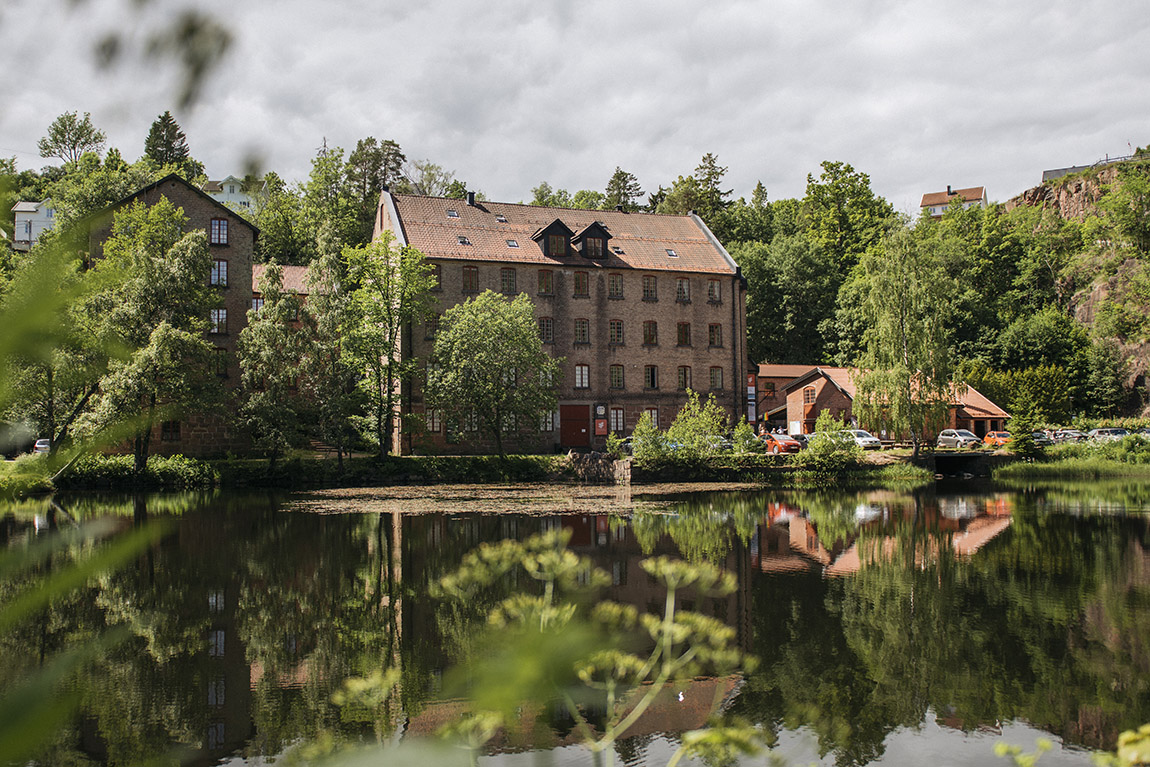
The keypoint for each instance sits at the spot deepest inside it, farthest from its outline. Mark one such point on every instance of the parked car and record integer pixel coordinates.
(996, 438)
(1041, 440)
(801, 439)
(957, 438)
(42, 446)
(1108, 434)
(1069, 435)
(781, 443)
(864, 439)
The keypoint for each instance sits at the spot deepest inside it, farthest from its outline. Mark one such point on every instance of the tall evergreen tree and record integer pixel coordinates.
(623, 189)
(166, 142)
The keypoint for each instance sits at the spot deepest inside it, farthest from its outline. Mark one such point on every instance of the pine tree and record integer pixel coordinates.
(166, 143)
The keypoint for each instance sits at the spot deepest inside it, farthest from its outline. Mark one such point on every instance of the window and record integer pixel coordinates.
(547, 422)
(170, 431)
(617, 420)
(653, 413)
(221, 362)
(582, 376)
(546, 282)
(651, 377)
(218, 322)
(614, 286)
(650, 333)
(452, 213)
(513, 243)
(471, 279)
(650, 288)
(714, 334)
(683, 290)
(616, 377)
(809, 395)
(547, 330)
(436, 277)
(471, 421)
(431, 327)
(716, 378)
(215, 736)
(216, 643)
(219, 275)
(769, 388)
(582, 331)
(257, 303)
(672, 253)
(684, 377)
(216, 601)
(216, 692)
(218, 235)
(615, 333)
(501, 218)
(463, 240)
(507, 281)
(714, 291)
(593, 247)
(683, 334)
(582, 285)
(435, 421)
(556, 245)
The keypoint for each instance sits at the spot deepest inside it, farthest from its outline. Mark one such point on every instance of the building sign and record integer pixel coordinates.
(752, 399)
(600, 427)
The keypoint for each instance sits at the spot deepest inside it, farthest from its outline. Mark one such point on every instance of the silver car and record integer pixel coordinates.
(863, 439)
(957, 438)
(1108, 434)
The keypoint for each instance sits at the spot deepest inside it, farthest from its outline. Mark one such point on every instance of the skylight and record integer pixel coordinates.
(501, 218)
(452, 213)
(512, 244)
(463, 240)
(617, 249)
(672, 253)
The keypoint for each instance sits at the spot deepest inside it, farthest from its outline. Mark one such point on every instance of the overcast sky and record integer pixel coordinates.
(510, 93)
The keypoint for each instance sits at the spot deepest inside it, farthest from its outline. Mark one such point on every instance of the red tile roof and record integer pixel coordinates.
(943, 198)
(642, 238)
(767, 370)
(295, 278)
(966, 398)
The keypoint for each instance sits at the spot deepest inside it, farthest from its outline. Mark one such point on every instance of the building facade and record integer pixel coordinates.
(641, 307)
(31, 219)
(231, 240)
(934, 204)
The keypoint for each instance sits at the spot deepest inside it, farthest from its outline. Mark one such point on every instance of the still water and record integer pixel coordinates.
(892, 628)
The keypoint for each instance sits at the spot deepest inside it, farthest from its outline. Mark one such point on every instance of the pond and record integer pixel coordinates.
(891, 628)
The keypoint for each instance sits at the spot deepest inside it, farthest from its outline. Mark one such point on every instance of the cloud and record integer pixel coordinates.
(507, 95)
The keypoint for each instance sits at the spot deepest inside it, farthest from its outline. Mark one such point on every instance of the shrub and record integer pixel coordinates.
(744, 439)
(826, 452)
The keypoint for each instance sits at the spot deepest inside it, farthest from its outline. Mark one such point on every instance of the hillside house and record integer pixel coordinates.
(641, 307)
(934, 204)
(31, 219)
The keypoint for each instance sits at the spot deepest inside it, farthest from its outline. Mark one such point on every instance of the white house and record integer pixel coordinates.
(32, 220)
(936, 203)
(229, 191)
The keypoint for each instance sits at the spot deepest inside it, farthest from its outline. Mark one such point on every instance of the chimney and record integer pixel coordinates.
(948, 192)
(385, 188)
(619, 208)
(471, 199)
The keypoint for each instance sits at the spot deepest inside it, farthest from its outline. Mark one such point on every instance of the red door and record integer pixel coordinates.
(575, 425)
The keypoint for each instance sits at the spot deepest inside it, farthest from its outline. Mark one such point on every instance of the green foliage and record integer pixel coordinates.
(166, 145)
(828, 452)
(1126, 205)
(907, 382)
(392, 288)
(489, 365)
(841, 213)
(743, 439)
(615, 446)
(622, 190)
(698, 427)
(118, 472)
(69, 137)
(270, 350)
(544, 644)
(648, 444)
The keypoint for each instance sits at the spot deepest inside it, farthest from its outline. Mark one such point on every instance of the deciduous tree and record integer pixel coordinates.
(489, 365)
(70, 136)
(393, 288)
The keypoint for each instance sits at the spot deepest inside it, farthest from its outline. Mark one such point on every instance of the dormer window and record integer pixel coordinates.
(593, 247)
(554, 239)
(592, 241)
(556, 245)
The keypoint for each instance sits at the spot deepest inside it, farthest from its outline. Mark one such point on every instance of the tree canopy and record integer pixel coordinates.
(70, 136)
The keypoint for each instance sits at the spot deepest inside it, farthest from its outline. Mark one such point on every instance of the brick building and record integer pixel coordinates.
(232, 241)
(640, 306)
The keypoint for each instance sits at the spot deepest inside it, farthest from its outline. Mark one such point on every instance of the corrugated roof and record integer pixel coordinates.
(943, 198)
(642, 238)
(294, 277)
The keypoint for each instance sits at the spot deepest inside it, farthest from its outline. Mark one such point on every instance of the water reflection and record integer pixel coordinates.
(876, 614)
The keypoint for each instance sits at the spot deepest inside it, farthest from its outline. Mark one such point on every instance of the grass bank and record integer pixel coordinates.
(1092, 467)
